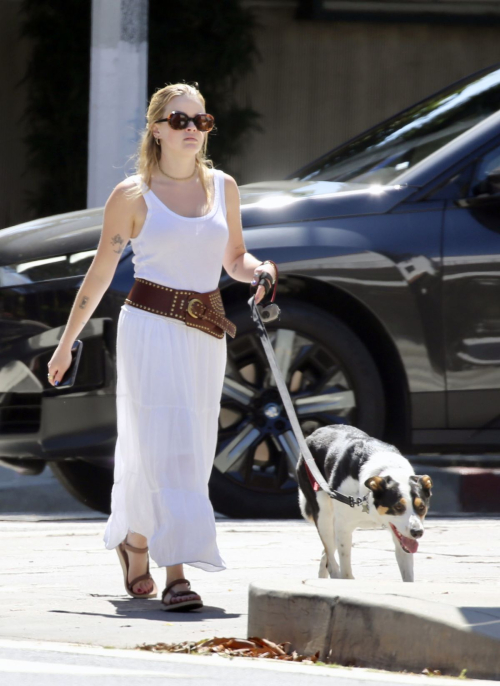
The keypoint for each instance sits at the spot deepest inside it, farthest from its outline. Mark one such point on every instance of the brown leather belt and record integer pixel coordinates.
(203, 311)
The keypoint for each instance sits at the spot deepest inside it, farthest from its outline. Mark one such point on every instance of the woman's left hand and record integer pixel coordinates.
(270, 269)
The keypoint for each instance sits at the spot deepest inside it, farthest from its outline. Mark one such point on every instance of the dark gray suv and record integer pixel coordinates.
(389, 252)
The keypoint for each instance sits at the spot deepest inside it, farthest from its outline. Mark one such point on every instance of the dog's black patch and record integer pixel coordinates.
(354, 446)
(328, 442)
(387, 496)
(349, 464)
(311, 504)
(420, 489)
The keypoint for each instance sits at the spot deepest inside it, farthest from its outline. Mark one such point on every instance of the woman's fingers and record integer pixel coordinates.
(260, 294)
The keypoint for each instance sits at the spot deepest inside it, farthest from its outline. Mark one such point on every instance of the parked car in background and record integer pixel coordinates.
(389, 256)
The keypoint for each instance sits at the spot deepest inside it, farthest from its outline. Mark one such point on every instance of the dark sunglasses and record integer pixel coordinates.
(179, 120)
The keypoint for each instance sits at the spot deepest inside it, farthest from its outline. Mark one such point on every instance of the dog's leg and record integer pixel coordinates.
(323, 571)
(405, 563)
(343, 537)
(326, 531)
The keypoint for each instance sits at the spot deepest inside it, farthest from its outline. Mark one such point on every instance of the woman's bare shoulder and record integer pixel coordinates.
(129, 182)
(227, 177)
(123, 188)
(231, 190)
(122, 198)
(230, 185)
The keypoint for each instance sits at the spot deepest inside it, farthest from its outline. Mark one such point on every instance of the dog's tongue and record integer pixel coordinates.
(410, 543)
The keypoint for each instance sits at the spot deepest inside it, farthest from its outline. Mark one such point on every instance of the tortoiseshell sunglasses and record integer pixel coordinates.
(179, 120)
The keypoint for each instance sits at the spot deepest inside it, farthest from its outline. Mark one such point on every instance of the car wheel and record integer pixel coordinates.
(331, 377)
(90, 484)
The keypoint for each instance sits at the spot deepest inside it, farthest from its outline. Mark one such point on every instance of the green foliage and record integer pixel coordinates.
(57, 111)
(208, 42)
(212, 44)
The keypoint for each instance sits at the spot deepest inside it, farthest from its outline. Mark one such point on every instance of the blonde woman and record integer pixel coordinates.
(183, 220)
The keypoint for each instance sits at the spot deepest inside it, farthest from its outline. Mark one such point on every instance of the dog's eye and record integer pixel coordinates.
(399, 508)
(419, 506)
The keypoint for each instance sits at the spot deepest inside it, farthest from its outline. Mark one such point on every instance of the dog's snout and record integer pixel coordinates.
(417, 533)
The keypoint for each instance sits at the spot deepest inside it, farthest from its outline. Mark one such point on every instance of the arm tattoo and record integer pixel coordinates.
(238, 247)
(84, 302)
(117, 240)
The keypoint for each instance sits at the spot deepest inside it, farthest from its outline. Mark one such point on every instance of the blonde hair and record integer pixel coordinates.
(149, 152)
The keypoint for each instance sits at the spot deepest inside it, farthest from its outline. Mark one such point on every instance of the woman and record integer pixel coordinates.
(184, 223)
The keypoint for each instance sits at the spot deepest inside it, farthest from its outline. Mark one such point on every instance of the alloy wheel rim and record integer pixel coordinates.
(256, 445)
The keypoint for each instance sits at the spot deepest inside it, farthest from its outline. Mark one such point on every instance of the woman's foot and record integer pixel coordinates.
(138, 564)
(170, 599)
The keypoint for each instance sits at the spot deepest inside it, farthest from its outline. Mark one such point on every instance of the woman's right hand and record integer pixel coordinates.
(58, 364)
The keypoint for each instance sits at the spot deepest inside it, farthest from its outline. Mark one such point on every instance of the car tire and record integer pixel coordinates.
(332, 337)
(89, 483)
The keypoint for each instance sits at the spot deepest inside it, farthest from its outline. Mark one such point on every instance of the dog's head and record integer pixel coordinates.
(401, 506)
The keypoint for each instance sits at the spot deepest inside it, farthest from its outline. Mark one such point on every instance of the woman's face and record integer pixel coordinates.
(186, 141)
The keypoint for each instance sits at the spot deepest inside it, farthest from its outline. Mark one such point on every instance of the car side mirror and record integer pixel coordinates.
(486, 193)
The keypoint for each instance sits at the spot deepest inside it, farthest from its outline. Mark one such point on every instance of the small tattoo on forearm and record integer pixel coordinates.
(117, 240)
(84, 302)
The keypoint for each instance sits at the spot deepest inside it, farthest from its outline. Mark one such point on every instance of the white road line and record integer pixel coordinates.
(25, 667)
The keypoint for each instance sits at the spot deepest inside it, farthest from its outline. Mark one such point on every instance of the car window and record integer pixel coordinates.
(484, 166)
(381, 154)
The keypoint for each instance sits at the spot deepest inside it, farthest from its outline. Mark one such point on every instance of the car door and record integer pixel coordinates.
(471, 299)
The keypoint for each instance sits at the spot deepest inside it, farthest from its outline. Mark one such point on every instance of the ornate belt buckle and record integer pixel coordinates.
(190, 305)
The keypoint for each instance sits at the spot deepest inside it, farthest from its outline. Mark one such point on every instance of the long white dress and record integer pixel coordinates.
(169, 387)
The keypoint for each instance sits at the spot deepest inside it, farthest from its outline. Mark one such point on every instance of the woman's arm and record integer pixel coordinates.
(238, 263)
(118, 223)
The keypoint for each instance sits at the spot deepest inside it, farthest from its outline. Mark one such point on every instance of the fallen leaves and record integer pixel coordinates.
(234, 647)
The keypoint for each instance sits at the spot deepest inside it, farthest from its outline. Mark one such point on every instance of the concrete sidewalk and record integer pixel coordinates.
(59, 583)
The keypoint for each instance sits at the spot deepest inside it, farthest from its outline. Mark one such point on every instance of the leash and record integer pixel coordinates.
(271, 312)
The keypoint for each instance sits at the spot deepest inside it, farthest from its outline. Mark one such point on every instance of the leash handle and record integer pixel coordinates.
(287, 401)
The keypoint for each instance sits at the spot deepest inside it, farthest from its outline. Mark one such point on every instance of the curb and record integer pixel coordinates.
(450, 627)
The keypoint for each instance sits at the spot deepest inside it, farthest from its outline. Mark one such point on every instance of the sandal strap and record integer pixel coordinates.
(172, 583)
(174, 594)
(133, 548)
(132, 583)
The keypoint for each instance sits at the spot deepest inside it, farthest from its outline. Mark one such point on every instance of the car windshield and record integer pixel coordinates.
(381, 154)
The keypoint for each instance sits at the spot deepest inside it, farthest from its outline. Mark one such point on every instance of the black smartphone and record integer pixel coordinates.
(70, 374)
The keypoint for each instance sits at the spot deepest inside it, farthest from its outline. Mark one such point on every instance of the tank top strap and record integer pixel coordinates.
(148, 197)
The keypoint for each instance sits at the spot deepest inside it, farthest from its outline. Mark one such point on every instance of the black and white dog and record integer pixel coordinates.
(353, 463)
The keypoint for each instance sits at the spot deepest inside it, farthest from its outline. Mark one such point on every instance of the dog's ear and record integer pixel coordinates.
(377, 484)
(425, 481)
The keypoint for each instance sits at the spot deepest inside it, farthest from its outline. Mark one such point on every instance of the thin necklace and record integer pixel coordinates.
(186, 178)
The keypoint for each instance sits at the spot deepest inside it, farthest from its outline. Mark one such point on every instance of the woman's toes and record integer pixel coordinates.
(147, 588)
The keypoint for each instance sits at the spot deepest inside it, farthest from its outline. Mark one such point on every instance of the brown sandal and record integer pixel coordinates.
(182, 605)
(121, 549)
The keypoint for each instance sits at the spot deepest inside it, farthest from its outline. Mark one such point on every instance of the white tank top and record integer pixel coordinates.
(181, 252)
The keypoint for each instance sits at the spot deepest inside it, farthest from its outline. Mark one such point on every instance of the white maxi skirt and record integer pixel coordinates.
(169, 388)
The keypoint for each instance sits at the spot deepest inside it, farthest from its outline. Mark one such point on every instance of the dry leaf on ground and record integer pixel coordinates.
(240, 647)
